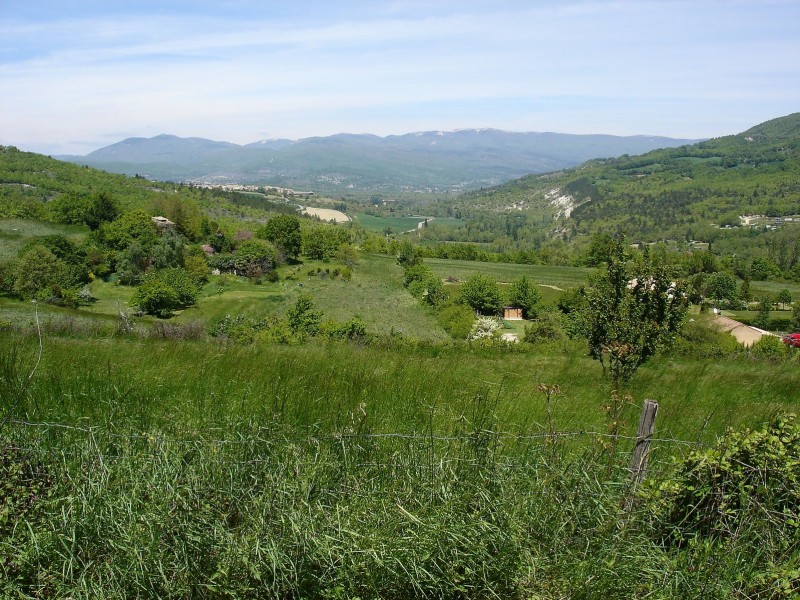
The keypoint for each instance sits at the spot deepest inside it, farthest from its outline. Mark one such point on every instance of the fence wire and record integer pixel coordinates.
(100, 443)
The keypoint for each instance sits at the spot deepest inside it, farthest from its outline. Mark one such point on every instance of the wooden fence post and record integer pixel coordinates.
(644, 435)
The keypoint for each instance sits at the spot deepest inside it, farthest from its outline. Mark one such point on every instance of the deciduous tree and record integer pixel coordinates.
(632, 312)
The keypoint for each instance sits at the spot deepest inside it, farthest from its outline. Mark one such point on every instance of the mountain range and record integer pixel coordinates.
(423, 161)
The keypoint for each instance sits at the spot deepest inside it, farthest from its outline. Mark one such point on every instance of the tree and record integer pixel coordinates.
(304, 319)
(36, 270)
(162, 292)
(132, 263)
(721, 288)
(73, 258)
(70, 209)
(745, 295)
(255, 258)
(784, 297)
(323, 241)
(135, 225)
(482, 294)
(762, 318)
(102, 209)
(599, 248)
(762, 268)
(409, 255)
(197, 267)
(525, 294)
(631, 313)
(155, 297)
(284, 232)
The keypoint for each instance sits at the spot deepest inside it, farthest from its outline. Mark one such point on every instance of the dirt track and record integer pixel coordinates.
(744, 334)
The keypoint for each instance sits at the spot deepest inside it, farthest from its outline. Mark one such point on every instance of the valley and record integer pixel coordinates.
(212, 391)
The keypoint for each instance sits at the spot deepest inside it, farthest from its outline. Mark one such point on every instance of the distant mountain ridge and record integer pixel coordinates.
(429, 160)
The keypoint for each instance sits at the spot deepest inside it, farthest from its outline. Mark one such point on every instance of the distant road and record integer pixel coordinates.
(421, 224)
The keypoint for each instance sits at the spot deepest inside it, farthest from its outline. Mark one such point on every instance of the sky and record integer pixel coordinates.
(79, 75)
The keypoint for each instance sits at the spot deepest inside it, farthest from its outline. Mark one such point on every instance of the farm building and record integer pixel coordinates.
(512, 313)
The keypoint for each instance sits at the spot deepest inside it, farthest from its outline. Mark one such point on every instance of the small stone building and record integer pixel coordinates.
(163, 224)
(513, 313)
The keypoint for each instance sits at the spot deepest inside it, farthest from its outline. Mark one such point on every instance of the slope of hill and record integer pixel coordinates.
(664, 193)
(455, 161)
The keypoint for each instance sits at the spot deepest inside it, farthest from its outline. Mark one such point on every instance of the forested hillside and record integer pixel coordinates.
(347, 163)
(675, 193)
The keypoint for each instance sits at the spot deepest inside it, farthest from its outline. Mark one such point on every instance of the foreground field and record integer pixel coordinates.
(152, 468)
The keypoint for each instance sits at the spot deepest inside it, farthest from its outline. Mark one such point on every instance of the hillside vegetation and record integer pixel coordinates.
(692, 192)
(247, 403)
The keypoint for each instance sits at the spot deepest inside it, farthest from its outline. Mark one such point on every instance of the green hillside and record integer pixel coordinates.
(675, 193)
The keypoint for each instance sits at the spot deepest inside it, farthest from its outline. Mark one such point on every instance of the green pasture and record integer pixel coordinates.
(14, 233)
(552, 280)
(771, 288)
(315, 385)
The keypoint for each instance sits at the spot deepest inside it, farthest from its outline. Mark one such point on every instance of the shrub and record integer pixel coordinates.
(746, 476)
(303, 318)
(769, 347)
(240, 328)
(162, 292)
(484, 329)
(456, 320)
(546, 328)
(699, 338)
(354, 329)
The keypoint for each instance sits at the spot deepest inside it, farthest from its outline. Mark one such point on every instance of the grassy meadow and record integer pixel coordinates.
(407, 465)
(159, 468)
(15, 233)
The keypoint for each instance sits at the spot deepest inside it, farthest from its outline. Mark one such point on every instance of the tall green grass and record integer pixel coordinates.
(151, 468)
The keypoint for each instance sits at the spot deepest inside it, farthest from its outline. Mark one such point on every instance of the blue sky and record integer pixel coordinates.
(75, 76)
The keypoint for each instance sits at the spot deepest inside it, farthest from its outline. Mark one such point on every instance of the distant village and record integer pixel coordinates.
(258, 189)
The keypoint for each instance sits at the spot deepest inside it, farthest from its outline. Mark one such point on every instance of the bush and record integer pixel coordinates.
(238, 328)
(769, 347)
(747, 476)
(547, 328)
(162, 292)
(303, 318)
(456, 320)
(354, 329)
(484, 329)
